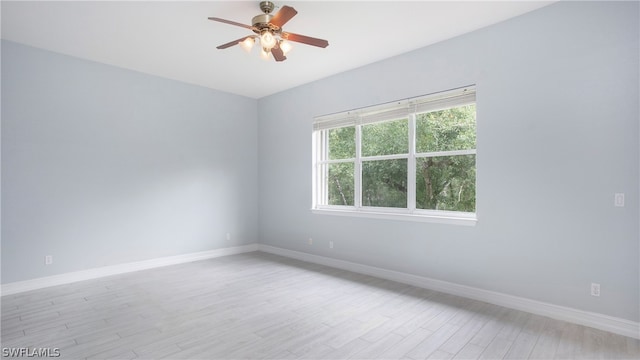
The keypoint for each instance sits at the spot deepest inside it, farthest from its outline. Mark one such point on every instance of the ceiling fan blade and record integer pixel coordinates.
(231, 43)
(278, 54)
(305, 39)
(283, 15)
(231, 23)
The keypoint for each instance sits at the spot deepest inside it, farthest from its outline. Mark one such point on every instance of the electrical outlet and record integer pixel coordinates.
(330, 244)
(595, 289)
(310, 241)
(48, 260)
(618, 200)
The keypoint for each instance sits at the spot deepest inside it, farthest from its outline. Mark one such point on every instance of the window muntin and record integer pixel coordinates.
(414, 157)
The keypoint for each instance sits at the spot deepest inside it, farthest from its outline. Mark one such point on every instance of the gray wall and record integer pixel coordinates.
(103, 166)
(558, 135)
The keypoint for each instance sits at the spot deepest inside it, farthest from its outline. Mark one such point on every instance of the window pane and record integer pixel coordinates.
(386, 138)
(384, 183)
(450, 129)
(342, 143)
(446, 183)
(340, 184)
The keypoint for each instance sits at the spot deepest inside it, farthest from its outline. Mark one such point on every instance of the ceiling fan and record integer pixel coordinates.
(268, 32)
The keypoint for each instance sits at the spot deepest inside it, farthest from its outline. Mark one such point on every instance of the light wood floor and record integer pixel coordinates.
(258, 305)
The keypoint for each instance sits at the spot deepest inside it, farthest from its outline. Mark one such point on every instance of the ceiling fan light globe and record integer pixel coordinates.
(285, 46)
(247, 44)
(264, 54)
(267, 40)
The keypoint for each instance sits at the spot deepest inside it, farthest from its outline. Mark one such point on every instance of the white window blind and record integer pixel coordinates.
(397, 109)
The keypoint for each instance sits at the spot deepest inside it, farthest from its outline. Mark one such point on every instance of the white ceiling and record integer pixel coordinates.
(176, 41)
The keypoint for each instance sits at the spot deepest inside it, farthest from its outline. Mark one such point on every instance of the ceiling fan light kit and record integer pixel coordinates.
(268, 32)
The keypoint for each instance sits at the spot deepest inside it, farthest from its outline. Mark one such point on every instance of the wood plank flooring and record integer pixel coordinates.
(263, 306)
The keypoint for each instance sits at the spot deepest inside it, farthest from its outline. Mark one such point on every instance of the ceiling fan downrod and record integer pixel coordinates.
(266, 7)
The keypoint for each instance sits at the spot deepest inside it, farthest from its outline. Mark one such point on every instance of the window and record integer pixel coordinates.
(413, 159)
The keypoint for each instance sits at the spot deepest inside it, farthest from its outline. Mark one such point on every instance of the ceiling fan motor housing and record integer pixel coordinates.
(262, 22)
(262, 19)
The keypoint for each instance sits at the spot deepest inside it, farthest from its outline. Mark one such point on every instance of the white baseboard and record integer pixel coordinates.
(43, 282)
(594, 320)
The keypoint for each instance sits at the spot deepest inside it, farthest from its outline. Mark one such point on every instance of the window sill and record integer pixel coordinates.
(448, 218)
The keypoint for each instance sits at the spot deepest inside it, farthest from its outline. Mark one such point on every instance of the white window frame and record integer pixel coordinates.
(405, 109)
